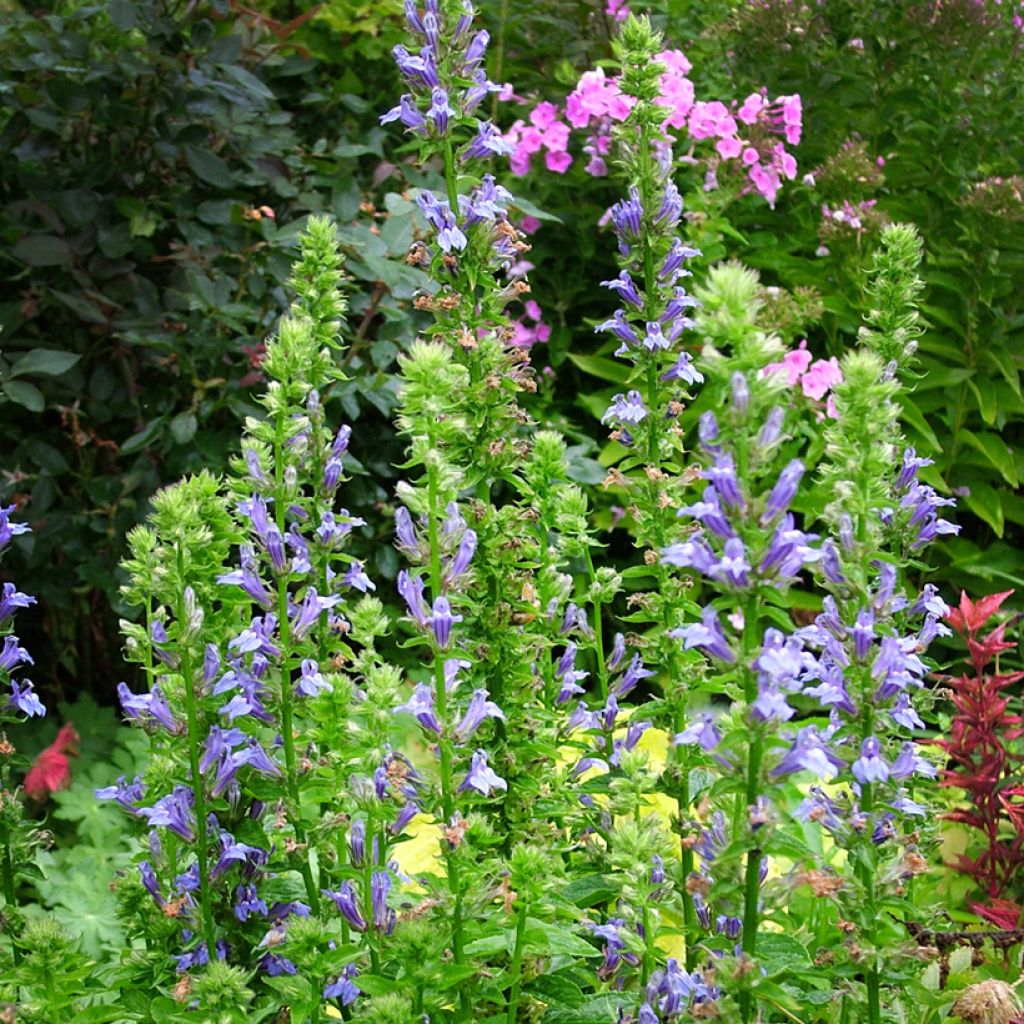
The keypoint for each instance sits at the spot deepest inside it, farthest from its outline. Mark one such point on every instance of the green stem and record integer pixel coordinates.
(867, 879)
(648, 958)
(499, 55)
(371, 939)
(755, 753)
(286, 696)
(602, 667)
(9, 893)
(517, 963)
(198, 789)
(52, 1005)
(444, 743)
(682, 789)
(450, 178)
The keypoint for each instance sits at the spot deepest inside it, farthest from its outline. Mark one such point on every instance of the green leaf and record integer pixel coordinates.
(123, 15)
(912, 416)
(209, 167)
(944, 317)
(23, 393)
(139, 441)
(47, 361)
(543, 937)
(602, 368)
(557, 990)
(777, 952)
(535, 211)
(602, 1009)
(184, 426)
(984, 501)
(998, 453)
(489, 945)
(42, 250)
(248, 81)
(376, 985)
(88, 311)
(985, 391)
(590, 891)
(450, 974)
(103, 1015)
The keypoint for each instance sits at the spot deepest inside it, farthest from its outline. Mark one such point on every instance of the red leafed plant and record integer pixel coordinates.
(985, 759)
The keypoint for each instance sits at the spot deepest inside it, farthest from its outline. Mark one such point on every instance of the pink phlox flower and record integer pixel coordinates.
(792, 117)
(784, 161)
(593, 97)
(766, 180)
(676, 62)
(617, 9)
(519, 162)
(531, 140)
(619, 104)
(752, 106)
(557, 161)
(823, 375)
(522, 335)
(526, 334)
(556, 137)
(544, 115)
(677, 96)
(729, 148)
(794, 364)
(711, 120)
(529, 225)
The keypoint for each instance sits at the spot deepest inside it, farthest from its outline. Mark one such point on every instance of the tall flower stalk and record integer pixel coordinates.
(872, 636)
(744, 543)
(650, 326)
(242, 663)
(17, 836)
(850, 680)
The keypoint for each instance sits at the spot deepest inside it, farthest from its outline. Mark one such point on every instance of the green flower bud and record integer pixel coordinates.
(392, 1008)
(222, 987)
(895, 289)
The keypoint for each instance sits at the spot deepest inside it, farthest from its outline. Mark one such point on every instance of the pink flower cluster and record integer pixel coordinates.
(816, 378)
(544, 131)
(751, 134)
(530, 328)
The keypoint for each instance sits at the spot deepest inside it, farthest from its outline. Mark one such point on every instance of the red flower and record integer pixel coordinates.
(51, 770)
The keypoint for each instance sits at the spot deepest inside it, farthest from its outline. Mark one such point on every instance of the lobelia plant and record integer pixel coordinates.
(834, 699)
(18, 835)
(487, 522)
(246, 689)
(653, 476)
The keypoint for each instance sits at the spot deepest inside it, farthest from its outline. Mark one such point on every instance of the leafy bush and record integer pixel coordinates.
(160, 163)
